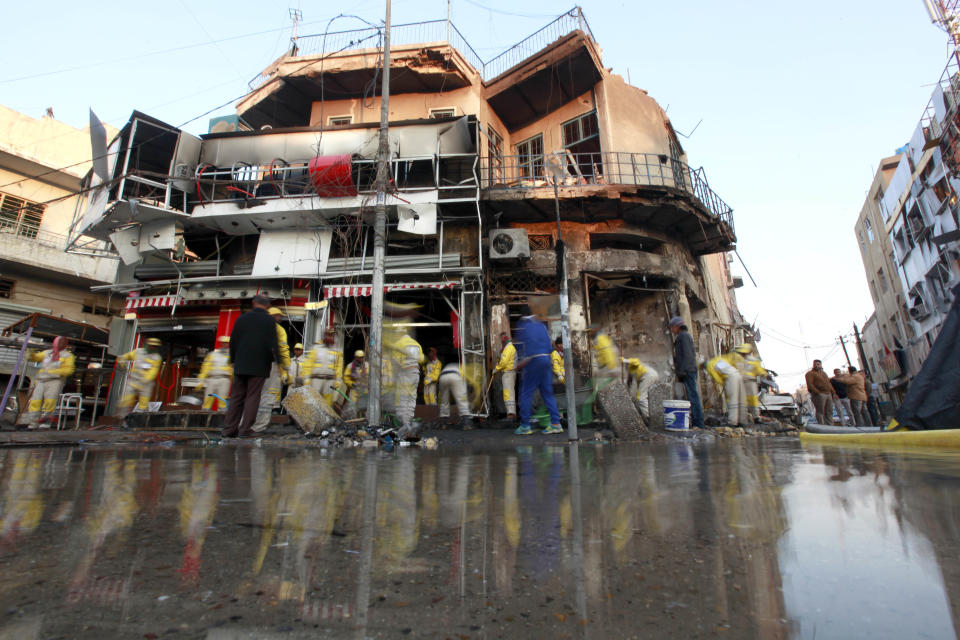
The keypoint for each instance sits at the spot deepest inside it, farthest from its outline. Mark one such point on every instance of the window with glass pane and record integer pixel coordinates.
(20, 216)
(530, 157)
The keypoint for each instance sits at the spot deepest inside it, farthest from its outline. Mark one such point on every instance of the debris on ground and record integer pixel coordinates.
(309, 410)
(619, 410)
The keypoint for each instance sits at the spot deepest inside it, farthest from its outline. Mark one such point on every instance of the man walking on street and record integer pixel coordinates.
(844, 411)
(253, 350)
(857, 396)
(821, 393)
(533, 354)
(685, 365)
(270, 395)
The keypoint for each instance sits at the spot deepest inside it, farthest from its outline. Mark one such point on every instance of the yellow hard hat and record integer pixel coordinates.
(358, 353)
(275, 311)
(744, 348)
(299, 345)
(154, 342)
(224, 339)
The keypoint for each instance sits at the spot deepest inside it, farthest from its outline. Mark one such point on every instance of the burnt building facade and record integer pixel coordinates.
(485, 157)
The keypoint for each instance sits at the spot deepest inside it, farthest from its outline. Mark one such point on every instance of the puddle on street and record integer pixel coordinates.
(738, 539)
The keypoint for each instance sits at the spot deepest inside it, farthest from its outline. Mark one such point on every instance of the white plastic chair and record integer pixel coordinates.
(69, 404)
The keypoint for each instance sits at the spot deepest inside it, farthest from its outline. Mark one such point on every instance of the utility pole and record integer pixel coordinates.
(569, 386)
(863, 356)
(846, 355)
(380, 239)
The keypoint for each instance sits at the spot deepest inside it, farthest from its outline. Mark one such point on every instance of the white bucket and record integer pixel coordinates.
(676, 415)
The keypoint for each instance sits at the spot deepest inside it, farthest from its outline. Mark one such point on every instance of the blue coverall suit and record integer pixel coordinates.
(532, 340)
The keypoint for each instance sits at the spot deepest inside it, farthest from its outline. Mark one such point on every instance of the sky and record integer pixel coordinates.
(793, 106)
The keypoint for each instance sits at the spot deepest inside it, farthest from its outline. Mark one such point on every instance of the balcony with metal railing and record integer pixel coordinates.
(650, 189)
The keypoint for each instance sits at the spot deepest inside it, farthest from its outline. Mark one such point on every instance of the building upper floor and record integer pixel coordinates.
(467, 138)
(42, 162)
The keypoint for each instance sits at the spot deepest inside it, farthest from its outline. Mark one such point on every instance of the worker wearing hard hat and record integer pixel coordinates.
(508, 367)
(408, 356)
(144, 366)
(323, 367)
(270, 395)
(725, 372)
(56, 365)
(356, 376)
(640, 378)
(296, 366)
(751, 368)
(216, 375)
(431, 376)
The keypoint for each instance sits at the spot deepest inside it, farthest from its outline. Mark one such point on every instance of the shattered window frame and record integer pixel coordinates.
(20, 216)
(339, 121)
(530, 157)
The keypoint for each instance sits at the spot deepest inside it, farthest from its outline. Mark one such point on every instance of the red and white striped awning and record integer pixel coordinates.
(365, 290)
(157, 302)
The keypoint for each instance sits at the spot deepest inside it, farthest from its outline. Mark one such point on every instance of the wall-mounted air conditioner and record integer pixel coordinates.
(918, 308)
(509, 244)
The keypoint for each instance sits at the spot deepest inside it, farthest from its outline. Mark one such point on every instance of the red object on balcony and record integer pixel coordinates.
(331, 177)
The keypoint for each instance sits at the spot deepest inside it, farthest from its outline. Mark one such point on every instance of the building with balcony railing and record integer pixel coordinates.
(42, 162)
(484, 157)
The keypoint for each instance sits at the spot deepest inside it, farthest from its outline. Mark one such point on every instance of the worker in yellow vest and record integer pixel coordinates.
(56, 365)
(407, 356)
(323, 367)
(508, 367)
(272, 387)
(144, 367)
(556, 359)
(606, 353)
(356, 376)
(725, 372)
(216, 374)
(751, 369)
(640, 378)
(431, 375)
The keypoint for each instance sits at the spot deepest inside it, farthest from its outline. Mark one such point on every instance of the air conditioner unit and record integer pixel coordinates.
(509, 244)
(919, 311)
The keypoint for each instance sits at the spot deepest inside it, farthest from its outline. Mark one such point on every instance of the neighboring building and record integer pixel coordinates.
(282, 203)
(912, 212)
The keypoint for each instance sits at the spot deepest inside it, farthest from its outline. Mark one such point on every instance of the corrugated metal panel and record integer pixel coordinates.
(7, 318)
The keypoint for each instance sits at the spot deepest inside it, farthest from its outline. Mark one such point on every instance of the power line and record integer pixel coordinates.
(510, 13)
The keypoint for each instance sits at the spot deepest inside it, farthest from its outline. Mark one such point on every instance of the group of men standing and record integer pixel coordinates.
(847, 391)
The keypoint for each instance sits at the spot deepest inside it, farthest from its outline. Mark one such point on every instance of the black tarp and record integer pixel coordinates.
(933, 398)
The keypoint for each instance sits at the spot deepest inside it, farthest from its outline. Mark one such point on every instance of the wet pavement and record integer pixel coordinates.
(748, 538)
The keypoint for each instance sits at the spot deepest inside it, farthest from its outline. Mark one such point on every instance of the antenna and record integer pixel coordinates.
(296, 15)
(944, 14)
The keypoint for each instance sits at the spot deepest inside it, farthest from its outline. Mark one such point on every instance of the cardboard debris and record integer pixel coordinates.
(309, 410)
(619, 410)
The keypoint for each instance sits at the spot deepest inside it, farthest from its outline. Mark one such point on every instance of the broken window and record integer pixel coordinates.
(878, 198)
(624, 241)
(882, 277)
(530, 157)
(495, 153)
(339, 121)
(868, 227)
(540, 241)
(445, 112)
(19, 216)
(6, 288)
(581, 137)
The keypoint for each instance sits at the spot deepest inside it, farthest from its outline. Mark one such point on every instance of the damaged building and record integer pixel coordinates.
(279, 200)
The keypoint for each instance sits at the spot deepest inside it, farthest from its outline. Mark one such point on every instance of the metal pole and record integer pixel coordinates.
(845, 354)
(13, 373)
(570, 384)
(863, 356)
(379, 239)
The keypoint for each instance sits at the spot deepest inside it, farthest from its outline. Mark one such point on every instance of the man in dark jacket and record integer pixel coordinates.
(685, 364)
(253, 350)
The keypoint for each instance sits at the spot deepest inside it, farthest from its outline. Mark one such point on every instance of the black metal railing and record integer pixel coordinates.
(319, 44)
(614, 168)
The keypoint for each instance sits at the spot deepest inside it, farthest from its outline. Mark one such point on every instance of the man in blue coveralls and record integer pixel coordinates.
(533, 343)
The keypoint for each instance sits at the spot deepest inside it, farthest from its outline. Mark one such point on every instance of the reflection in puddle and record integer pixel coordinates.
(758, 539)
